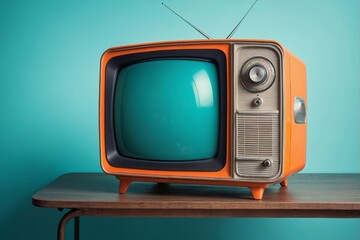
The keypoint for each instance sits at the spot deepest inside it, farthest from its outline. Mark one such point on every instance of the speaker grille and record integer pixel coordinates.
(257, 139)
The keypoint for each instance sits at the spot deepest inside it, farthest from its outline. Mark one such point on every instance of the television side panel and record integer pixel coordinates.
(298, 113)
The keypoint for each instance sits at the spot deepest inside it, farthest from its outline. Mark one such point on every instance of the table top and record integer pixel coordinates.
(307, 195)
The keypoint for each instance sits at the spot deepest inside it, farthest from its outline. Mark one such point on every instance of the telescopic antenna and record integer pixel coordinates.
(197, 29)
(236, 27)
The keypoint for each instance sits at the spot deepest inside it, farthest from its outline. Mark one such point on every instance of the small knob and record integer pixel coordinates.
(258, 102)
(267, 163)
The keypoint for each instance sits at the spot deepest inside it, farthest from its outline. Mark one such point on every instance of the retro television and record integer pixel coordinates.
(219, 112)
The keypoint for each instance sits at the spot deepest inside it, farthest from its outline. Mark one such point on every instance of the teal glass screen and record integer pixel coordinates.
(167, 110)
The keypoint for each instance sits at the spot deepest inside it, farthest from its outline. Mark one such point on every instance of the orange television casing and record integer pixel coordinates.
(265, 116)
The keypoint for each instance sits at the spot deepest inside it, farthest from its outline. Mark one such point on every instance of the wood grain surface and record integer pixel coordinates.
(308, 195)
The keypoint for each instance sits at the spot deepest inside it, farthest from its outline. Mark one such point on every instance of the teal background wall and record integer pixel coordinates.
(49, 67)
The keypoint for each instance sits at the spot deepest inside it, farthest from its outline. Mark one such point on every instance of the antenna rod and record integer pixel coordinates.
(198, 30)
(236, 27)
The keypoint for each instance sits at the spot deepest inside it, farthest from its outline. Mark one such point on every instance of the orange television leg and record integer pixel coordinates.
(284, 183)
(257, 192)
(124, 185)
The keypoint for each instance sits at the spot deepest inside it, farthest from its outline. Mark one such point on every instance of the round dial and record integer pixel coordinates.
(257, 74)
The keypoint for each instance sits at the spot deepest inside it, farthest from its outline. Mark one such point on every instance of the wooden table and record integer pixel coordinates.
(96, 194)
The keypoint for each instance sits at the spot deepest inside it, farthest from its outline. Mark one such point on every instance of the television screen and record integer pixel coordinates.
(167, 110)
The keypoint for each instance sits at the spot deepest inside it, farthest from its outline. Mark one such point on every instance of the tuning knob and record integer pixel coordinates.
(258, 102)
(257, 74)
(267, 163)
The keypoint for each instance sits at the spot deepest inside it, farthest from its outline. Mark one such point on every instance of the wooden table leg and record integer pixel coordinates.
(73, 213)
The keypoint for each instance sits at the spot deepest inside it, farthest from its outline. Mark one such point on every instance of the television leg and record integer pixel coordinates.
(124, 185)
(257, 192)
(284, 183)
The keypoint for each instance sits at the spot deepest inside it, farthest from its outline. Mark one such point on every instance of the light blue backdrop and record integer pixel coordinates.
(49, 69)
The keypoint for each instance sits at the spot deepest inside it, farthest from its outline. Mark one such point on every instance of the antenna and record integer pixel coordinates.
(197, 29)
(236, 27)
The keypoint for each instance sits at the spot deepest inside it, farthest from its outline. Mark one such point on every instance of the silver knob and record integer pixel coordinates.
(267, 163)
(258, 102)
(257, 74)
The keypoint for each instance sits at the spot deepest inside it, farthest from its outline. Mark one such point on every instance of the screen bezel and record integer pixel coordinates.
(114, 66)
